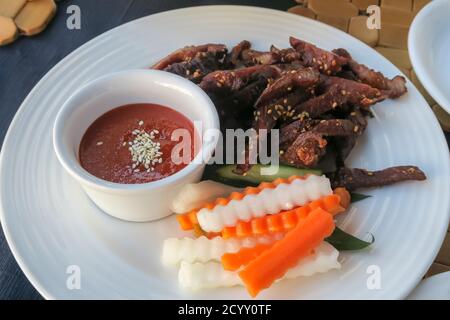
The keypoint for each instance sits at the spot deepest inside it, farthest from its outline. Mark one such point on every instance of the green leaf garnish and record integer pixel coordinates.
(358, 197)
(344, 241)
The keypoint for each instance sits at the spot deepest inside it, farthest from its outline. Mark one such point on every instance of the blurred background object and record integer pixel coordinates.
(24, 17)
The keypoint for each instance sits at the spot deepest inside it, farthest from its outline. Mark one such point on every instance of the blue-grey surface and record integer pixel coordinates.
(27, 60)
(23, 63)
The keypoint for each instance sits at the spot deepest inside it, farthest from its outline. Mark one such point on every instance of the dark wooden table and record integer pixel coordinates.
(26, 61)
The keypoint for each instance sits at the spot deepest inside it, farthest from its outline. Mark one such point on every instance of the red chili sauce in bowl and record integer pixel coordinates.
(132, 144)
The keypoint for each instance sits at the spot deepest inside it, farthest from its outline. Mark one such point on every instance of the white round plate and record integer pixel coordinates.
(429, 47)
(51, 225)
(433, 288)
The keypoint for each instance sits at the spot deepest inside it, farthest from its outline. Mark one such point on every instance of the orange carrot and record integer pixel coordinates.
(188, 220)
(345, 197)
(273, 263)
(233, 261)
(283, 221)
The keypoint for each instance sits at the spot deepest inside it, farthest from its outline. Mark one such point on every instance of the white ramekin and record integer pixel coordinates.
(133, 202)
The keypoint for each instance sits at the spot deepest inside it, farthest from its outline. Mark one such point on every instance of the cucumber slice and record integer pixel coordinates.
(254, 177)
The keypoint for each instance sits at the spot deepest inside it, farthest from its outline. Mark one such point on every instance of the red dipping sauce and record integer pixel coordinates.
(118, 146)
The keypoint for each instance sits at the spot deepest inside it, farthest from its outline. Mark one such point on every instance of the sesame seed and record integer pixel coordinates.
(99, 143)
(144, 150)
(141, 123)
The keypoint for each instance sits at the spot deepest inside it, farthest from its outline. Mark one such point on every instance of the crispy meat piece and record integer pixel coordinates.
(253, 57)
(302, 140)
(353, 179)
(328, 128)
(289, 81)
(274, 56)
(188, 53)
(326, 62)
(289, 132)
(266, 116)
(305, 151)
(196, 68)
(287, 55)
(227, 81)
(342, 53)
(344, 145)
(245, 98)
(393, 88)
(236, 52)
(339, 92)
(335, 128)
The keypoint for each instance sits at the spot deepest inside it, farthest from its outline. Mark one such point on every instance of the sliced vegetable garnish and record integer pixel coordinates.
(211, 274)
(358, 196)
(233, 261)
(272, 264)
(253, 177)
(267, 198)
(203, 249)
(283, 221)
(343, 241)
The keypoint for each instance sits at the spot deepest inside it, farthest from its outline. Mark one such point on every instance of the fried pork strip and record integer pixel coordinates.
(339, 92)
(187, 53)
(326, 62)
(318, 114)
(194, 62)
(291, 80)
(236, 52)
(393, 88)
(274, 56)
(227, 81)
(353, 179)
(305, 149)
